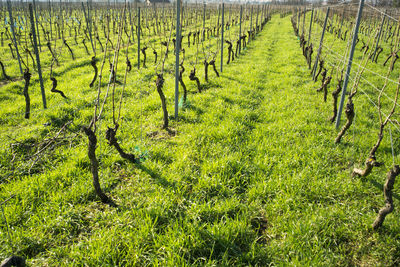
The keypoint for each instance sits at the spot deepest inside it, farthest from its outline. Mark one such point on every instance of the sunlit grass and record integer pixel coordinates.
(252, 176)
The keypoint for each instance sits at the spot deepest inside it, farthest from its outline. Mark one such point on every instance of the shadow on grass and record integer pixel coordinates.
(380, 187)
(13, 79)
(189, 106)
(227, 100)
(209, 85)
(156, 177)
(60, 73)
(232, 78)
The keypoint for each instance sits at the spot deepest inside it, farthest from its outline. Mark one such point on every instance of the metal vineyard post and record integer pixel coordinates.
(346, 78)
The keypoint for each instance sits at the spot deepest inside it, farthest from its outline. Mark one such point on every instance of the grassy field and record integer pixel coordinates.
(250, 175)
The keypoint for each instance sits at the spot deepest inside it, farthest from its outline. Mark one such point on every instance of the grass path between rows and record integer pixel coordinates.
(251, 178)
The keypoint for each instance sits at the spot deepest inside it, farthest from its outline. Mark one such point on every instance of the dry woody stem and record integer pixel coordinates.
(54, 90)
(193, 77)
(93, 63)
(159, 85)
(387, 191)
(349, 111)
(27, 78)
(112, 141)
(94, 164)
(335, 95)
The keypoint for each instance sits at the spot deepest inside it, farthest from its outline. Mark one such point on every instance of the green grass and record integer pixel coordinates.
(252, 177)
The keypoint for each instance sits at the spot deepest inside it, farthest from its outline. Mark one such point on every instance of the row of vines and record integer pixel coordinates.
(120, 42)
(327, 36)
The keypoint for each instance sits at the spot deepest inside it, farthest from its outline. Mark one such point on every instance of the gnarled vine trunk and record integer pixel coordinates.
(112, 141)
(93, 63)
(206, 70)
(387, 191)
(94, 164)
(159, 85)
(4, 71)
(349, 111)
(54, 90)
(212, 63)
(27, 78)
(335, 95)
(193, 77)
(181, 71)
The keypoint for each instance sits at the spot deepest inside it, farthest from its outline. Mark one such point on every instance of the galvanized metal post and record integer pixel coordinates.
(346, 78)
(178, 42)
(37, 55)
(310, 29)
(37, 25)
(13, 33)
(320, 44)
(204, 21)
(240, 28)
(222, 36)
(51, 31)
(304, 20)
(138, 37)
(251, 24)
